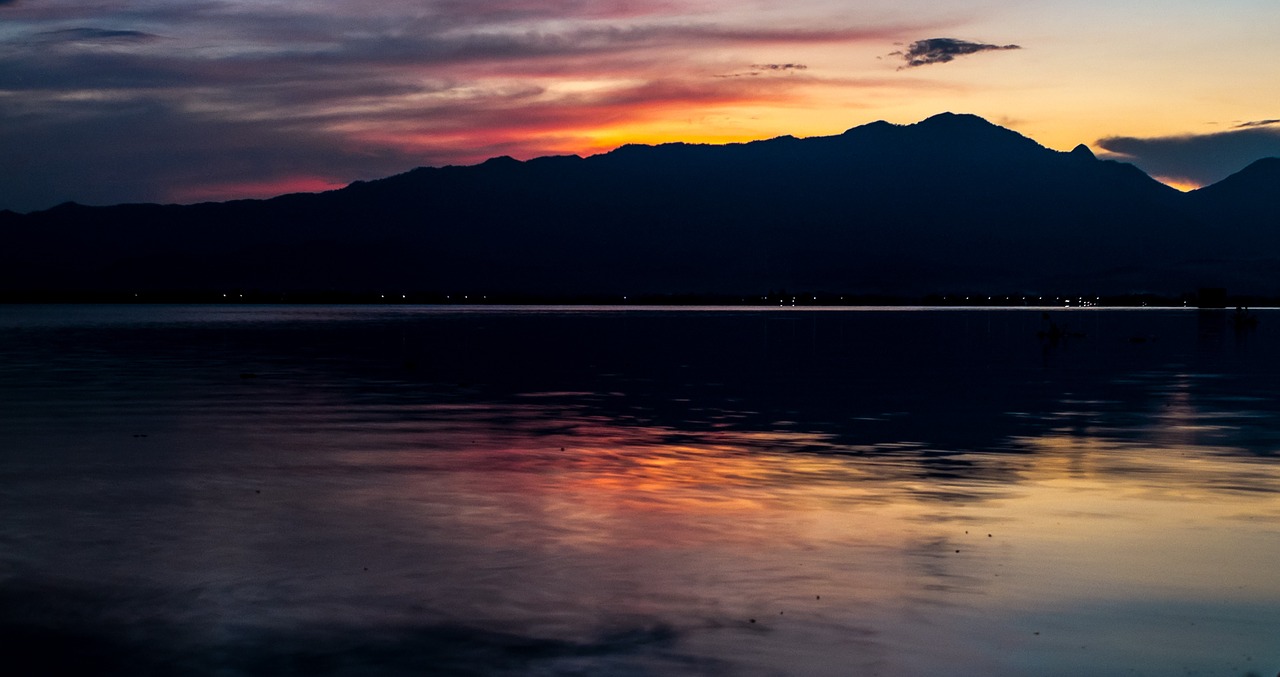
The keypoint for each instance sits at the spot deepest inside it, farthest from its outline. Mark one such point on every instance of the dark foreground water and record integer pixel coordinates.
(404, 491)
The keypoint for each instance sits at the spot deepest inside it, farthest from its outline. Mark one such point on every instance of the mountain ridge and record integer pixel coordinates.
(951, 202)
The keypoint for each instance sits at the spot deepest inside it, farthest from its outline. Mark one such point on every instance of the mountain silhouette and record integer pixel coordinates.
(950, 204)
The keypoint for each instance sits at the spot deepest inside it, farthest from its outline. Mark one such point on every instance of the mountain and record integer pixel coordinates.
(950, 204)
(1249, 195)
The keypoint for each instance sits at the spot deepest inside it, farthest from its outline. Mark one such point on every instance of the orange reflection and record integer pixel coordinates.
(1088, 514)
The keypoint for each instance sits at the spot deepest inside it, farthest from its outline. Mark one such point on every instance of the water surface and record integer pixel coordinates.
(405, 490)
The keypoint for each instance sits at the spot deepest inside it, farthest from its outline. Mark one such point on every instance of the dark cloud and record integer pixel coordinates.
(778, 67)
(1257, 123)
(942, 50)
(493, 11)
(94, 35)
(380, 56)
(1197, 159)
(102, 153)
(757, 69)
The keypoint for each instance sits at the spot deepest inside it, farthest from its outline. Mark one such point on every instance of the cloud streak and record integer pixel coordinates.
(94, 35)
(1199, 159)
(779, 67)
(943, 50)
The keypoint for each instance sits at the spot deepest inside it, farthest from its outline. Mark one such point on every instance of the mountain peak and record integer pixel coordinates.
(870, 126)
(1267, 164)
(1261, 175)
(1082, 151)
(940, 126)
(955, 120)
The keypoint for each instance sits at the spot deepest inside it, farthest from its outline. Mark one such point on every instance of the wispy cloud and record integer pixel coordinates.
(758, 69)
(1199, 159)
(943, 50)
(94, 35)
(1257, 123)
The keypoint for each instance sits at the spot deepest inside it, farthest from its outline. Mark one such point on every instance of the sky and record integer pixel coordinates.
(110, 101)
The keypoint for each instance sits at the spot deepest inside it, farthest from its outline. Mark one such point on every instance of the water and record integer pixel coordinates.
(548, 491)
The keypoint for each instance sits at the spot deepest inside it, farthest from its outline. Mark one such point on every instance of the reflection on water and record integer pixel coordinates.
(608, 491)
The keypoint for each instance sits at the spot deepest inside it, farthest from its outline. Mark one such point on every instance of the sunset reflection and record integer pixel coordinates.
(792, 533)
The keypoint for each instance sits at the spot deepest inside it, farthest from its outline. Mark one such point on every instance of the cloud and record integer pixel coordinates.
(943, 50)
(757, 69)
(492, 11)
(1257, 123)
(1196, 159)
(102, 152)
(234, 51)
(94, 35)
(526, 123)
(778, 67)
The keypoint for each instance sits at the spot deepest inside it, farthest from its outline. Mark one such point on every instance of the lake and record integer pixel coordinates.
(396, 490)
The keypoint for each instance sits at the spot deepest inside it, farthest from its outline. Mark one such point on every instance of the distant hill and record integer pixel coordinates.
(950, 204)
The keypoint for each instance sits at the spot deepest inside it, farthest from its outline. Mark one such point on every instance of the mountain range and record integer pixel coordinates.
(951, 204)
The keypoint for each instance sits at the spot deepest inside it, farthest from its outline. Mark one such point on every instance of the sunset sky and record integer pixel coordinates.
(106, 101)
